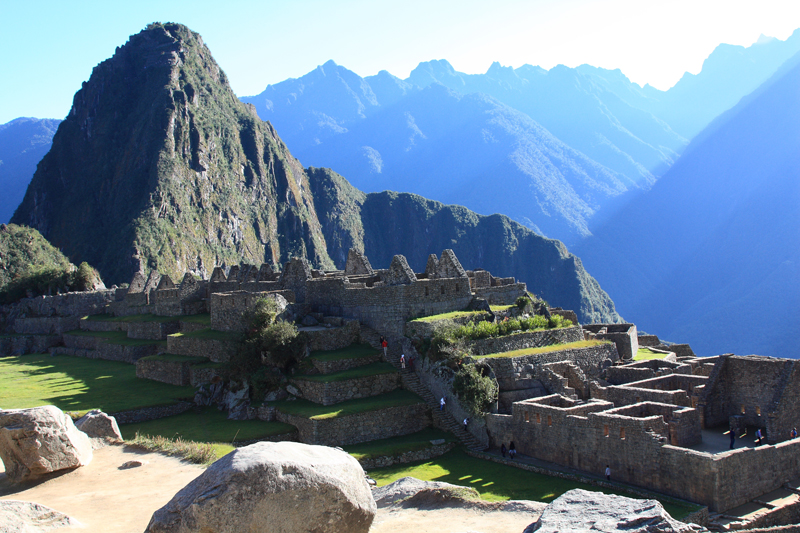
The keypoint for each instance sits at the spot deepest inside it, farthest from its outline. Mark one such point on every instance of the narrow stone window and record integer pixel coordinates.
(549, 420)
(605, 431)
(622, 433)
(538, 418)
(426, 290)
(527, 416)
(442, 289)
(758, 410)
(742, 408)
(456, 287)
(638, 399)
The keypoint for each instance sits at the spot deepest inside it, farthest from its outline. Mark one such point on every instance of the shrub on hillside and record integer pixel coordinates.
(476, 391)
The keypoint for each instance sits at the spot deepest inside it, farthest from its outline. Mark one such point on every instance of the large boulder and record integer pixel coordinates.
(413, 492)
(282, 487)
(99, 425)
(28, 517)
(37, 441)
(586, 511)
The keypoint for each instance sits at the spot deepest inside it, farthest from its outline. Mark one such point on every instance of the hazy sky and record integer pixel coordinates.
(47, 48)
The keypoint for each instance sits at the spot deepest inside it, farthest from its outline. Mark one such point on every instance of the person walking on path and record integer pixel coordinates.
(441, 404)
(794, 433)
(466, 422)
(512, 450)
(402, 360)
(758, 436)
(503, 449)
(608, 473)
(733, 438)
(384, 344)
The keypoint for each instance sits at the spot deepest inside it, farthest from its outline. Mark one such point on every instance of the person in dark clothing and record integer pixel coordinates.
(608, 473)
(512, 450)
(733, 437)
(503, 449)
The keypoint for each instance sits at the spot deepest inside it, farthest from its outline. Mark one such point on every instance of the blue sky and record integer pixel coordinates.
(47, 48)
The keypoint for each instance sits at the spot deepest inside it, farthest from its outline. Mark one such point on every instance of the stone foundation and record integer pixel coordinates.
(426, 454)
(152, 330)
(339, 391)
(362, 427)
(215, 350)
(529, 339)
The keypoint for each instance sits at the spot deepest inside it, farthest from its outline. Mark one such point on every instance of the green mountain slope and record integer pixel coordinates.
(159, 166)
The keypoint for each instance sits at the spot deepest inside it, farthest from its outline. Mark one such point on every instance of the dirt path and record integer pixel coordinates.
(105, 498)
(109, 500)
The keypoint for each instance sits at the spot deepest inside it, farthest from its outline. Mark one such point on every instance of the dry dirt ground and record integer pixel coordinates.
(106, 499)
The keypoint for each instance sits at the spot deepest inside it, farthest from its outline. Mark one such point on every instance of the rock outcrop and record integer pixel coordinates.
(417, 493)
(37, 441)
(99, 425)
(28, 517)
(582, 510)
(266, 486)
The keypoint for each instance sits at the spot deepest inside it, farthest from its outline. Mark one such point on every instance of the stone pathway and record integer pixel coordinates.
(411, 382)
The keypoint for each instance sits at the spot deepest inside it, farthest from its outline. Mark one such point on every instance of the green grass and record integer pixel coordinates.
(116, 337)
(645, 353)
(208, 425)
(545, 349)
(446, 316)
(80, 384)
(210, 335)
(174, 358)
(498, 308)
(204, 319)
(314, 411)
(496, 482)
(354, 351)
(130, 318)
(373, 369)
(397, 445)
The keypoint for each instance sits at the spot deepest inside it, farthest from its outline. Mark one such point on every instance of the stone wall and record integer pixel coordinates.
(636, 446)
(753, 387)
(386, 308)
(152, 330)
(55, 325)
(528, 339)
(623, 335)
(25, 344)
(199, 375)
(215, 350)
(362, 427)
(69, 304)
(228, 308)
(503, 294)
(172, 372)
(332, 338)
(589, 360)
(134, 416)
(412, 456)
(329, 367)
(103, 325)
(338, 391)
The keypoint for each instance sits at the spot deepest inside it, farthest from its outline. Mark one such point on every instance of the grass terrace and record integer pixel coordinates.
(373, 369)
(207, 425)
(144, 318)
(174, 358)
(115, 337)
(80, 384)
(447, 316)
(314, 411)
(354, 351)
(497, 482)
(645, 353)
(397, 445)
(545, 349)
(210, 335)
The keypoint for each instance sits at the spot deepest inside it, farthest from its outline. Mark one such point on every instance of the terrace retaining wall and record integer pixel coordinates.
(338, 391)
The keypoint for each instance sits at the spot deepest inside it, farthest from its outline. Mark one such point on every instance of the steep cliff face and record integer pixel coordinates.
(388, 223)
(159, 166)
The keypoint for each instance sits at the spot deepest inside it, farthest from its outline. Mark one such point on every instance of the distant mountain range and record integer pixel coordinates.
(711, 255)
(556, 150)
(173, 173)
(23, 143)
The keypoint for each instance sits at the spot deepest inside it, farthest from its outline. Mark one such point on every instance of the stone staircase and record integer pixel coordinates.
(441, 419)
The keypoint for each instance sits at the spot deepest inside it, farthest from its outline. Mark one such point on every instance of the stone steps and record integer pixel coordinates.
(442, 419)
